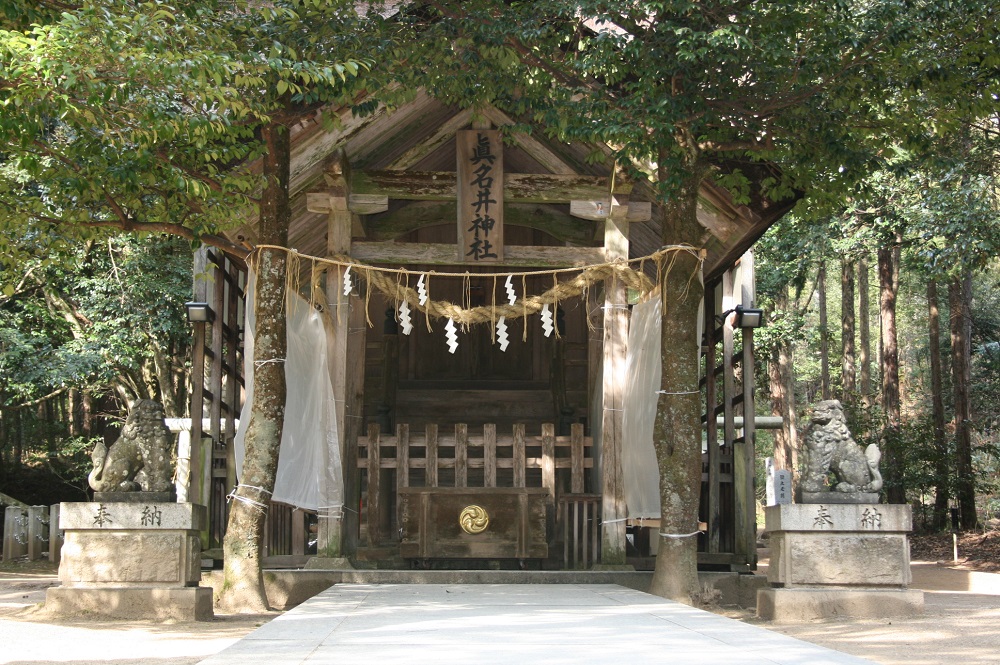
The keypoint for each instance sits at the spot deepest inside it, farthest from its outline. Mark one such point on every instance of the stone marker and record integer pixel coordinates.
(38, 532)
(779, 484)
(132, 560)
(55, 534)
(15, 533)
(838, 559)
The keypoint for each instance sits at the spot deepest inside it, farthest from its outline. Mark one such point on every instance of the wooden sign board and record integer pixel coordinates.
(480, 195)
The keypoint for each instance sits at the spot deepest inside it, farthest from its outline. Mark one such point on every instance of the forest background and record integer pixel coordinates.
(87, 327)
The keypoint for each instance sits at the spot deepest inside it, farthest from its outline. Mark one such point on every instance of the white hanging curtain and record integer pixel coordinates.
(640, 472)
(309, 467)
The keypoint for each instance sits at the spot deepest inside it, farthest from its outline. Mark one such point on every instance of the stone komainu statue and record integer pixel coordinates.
(140, 459)
(830, 447)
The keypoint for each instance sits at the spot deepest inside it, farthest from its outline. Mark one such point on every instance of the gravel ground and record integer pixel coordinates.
(29, 635)
(961, 624)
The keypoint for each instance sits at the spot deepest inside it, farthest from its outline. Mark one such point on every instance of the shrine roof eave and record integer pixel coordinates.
(415, 136)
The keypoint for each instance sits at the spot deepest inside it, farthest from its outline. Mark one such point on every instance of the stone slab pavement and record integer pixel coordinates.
(573, 624)
(960, 624)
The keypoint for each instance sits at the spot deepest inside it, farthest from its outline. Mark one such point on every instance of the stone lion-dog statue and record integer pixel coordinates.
(139, 461)
(831, 448)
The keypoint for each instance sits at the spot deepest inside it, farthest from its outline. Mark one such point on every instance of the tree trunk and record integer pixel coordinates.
(864, 334)
(71, 401)
(848, 362)
(888, 272)
(780, 378)
(940, 521)
(87, 415)
(18, 442)
(824, 333)
(959, 299)
(677, 430)
(164, 379)
(243, 581)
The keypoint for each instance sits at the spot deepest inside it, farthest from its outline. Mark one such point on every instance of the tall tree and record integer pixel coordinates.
(940, 520)
(781, 380)
(824, 332)
(847, 323)
(888, 270)
(705, 90)
(864, 333)
(959, 300)
(144, 117)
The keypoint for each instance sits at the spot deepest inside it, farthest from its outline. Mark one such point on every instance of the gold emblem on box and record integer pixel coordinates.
(474, 519)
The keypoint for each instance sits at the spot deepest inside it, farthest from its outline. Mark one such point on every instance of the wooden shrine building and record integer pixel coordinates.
(529, 434)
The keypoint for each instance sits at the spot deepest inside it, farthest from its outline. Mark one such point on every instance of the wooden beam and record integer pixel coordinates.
(516, 256)
(613, 511)
(416, 215)
(518, 187)
(444, 133)
(519, 455)
(360, 204)
(374, 490)
(489, 455)
(728, 413)
(331, 534)
(461, 455)
(636, 211)
(743, 454)
(532, 146)
(479, 165)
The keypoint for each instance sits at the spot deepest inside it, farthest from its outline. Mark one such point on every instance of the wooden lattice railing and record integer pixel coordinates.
(435, 459)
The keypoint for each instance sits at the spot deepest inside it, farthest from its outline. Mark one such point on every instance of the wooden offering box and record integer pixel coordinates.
(473, 523)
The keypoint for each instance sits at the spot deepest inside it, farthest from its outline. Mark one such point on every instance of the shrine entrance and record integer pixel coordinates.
(496, 426)
(436, 403)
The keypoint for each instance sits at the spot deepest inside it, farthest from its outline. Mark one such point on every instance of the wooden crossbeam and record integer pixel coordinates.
(518, 187)
(446, 254)
(549, 218)
(633, 211)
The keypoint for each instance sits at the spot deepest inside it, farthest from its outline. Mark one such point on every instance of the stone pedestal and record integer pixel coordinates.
(838, 559)
(132, 560)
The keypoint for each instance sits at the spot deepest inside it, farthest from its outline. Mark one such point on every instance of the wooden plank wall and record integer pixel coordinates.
(461, 459)
(217, 378)
(727, 503)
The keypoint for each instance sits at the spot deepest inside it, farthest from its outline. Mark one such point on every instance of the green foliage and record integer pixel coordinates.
(821, 89)
(144, 115)
(88, 320)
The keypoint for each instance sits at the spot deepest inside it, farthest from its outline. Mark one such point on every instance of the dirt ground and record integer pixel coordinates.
(961, 623)
(29, 635)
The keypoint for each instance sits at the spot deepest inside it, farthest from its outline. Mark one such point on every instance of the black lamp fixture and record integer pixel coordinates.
(744, 317)
(199, 312)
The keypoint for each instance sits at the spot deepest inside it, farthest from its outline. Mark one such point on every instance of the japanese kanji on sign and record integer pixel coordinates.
(480, 195)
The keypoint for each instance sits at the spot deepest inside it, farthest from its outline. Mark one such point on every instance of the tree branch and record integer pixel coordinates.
(36, 402)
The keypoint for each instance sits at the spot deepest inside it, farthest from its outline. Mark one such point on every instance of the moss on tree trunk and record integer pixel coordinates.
(677, 429)
(243, 582)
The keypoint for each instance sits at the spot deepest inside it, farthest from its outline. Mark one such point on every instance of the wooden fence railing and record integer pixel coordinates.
(461, 459)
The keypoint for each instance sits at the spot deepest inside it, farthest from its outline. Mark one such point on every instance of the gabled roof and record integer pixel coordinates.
(413, 146)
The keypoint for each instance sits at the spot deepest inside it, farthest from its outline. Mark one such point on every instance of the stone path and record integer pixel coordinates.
(569, 624)
(961, 624)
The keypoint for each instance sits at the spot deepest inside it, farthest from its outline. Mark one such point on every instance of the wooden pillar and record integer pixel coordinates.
(743, 453)
(196, 468)
(615, 342)
(338, 528)
(354, 422)
(711, 460)
(728, 418)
